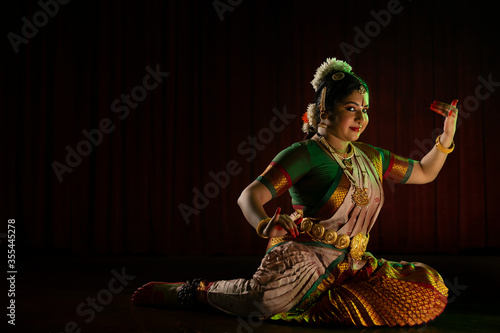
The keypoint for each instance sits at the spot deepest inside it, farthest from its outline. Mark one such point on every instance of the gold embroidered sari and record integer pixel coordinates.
(308, 280)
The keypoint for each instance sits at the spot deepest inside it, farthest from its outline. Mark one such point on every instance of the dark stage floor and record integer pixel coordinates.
(57, 295)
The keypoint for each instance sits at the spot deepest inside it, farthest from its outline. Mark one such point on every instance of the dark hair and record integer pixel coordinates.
(336, 90)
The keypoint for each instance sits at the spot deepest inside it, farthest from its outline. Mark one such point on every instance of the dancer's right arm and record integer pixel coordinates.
(252, 201)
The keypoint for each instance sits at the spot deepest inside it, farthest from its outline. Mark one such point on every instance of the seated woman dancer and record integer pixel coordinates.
(316, 268)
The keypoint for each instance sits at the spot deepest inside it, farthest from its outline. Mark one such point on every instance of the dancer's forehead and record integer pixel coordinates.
(357, 99)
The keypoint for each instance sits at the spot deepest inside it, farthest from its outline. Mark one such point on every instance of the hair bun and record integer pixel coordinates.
(327, 67)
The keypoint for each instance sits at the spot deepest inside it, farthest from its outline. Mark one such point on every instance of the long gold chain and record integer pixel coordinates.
(360, 196)
(340, 160)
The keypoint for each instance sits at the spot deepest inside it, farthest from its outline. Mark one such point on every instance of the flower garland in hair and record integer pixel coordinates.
(327, 67)
(310, 123)
(309, 119)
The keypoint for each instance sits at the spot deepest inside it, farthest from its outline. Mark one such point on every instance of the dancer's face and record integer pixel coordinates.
(349, 118)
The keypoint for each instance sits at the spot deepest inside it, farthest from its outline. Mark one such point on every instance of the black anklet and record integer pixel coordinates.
(188, 294)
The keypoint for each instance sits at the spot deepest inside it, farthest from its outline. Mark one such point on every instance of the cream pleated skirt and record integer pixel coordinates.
(312, 282)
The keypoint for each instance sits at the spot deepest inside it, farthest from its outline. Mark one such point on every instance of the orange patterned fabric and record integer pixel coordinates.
(381, 293)
(398, 168)
(278, 178)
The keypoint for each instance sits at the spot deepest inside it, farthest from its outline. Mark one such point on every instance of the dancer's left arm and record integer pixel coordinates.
(428, 168)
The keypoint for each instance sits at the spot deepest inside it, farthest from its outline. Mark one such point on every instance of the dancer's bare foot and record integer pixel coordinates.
(157, 294)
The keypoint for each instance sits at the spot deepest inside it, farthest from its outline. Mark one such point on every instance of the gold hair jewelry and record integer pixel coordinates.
(329, 66)
(362, 89)
(322, 108)
(338, 76)
(442, 148)
(261, 226)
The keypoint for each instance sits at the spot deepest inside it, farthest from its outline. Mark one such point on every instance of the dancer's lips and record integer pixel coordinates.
(355, 129)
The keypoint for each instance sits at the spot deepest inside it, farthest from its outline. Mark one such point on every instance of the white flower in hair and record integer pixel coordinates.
(309, 120)
(327, 67)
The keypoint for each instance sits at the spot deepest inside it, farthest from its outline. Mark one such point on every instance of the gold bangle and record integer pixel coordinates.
(442, 148)
(261, 226)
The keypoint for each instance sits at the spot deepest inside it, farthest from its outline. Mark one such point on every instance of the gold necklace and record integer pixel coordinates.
(346, 157)
(360, 196)
(341, 154)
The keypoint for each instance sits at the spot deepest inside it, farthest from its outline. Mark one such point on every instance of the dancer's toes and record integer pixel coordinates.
(157, 293)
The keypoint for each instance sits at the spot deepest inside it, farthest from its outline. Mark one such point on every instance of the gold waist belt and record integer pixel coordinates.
(358, 243)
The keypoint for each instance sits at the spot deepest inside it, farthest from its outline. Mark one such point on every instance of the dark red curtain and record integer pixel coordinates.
(133, 126)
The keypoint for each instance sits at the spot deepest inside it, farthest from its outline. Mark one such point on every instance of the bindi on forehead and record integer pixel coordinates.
(357, 99)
